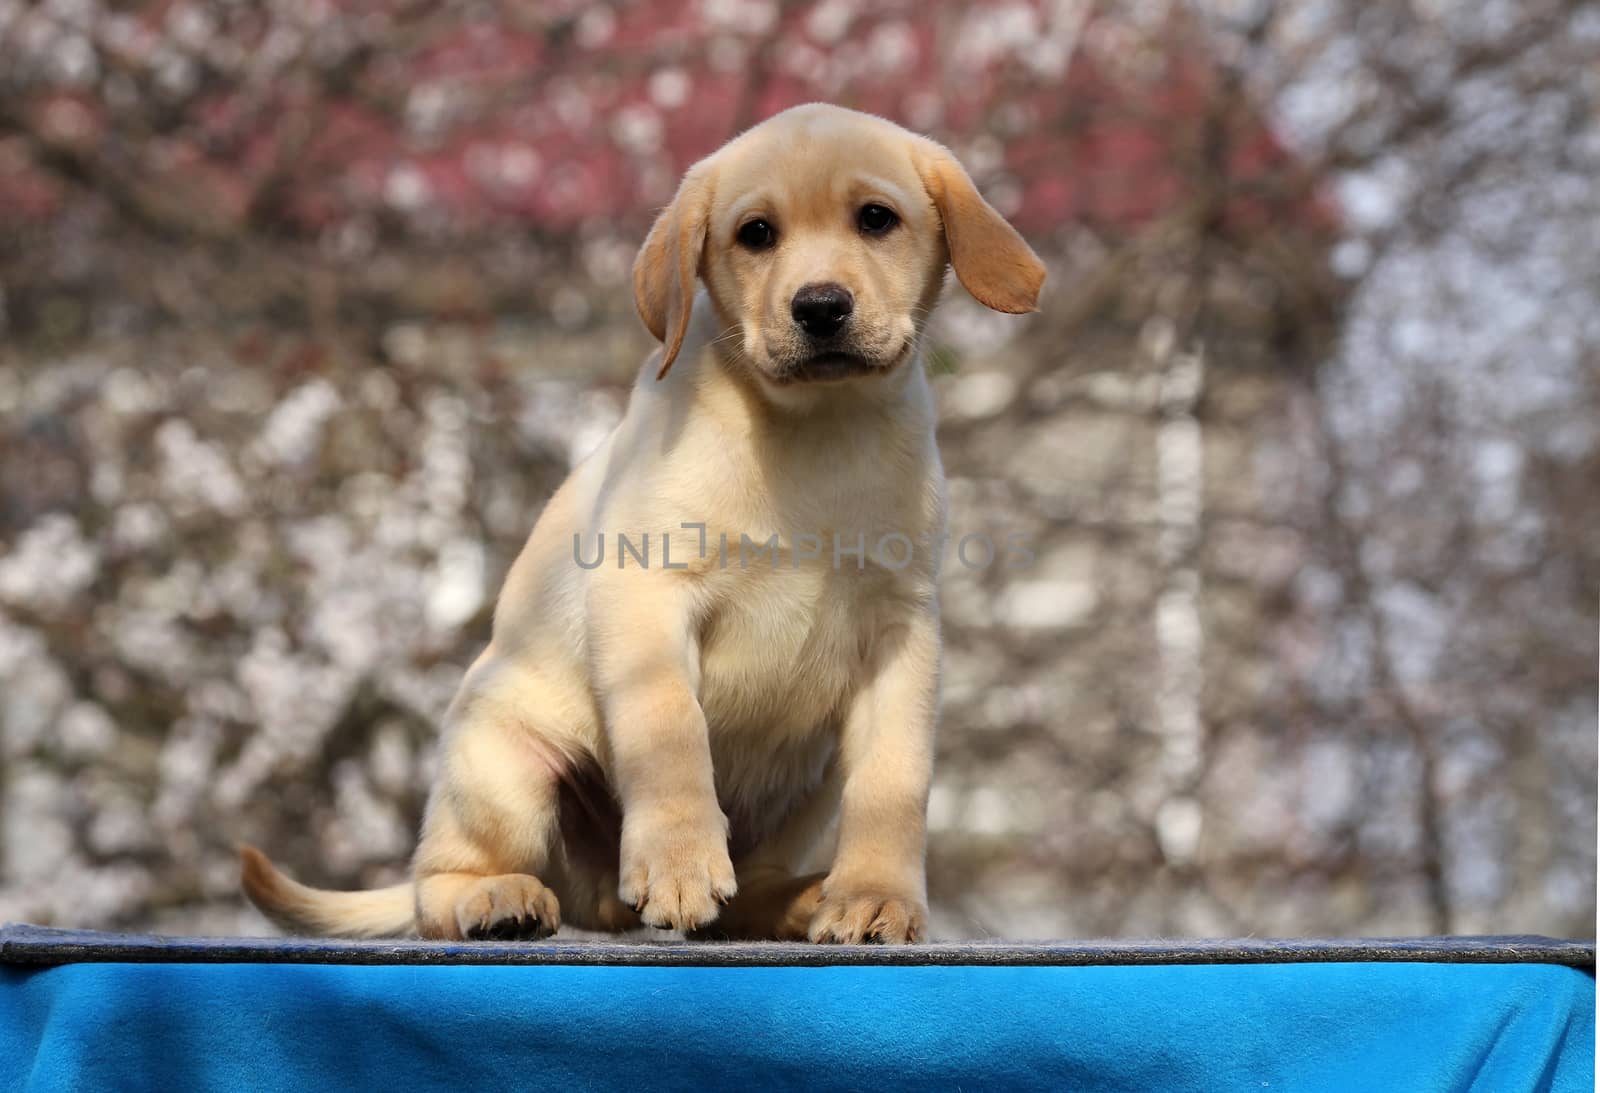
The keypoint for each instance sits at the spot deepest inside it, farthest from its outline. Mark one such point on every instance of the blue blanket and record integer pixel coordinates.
(1344, 1026)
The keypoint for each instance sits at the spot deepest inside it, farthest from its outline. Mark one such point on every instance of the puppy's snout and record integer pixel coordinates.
(822, 310)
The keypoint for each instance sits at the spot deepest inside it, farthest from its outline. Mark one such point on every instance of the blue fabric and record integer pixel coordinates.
(1414, 1027)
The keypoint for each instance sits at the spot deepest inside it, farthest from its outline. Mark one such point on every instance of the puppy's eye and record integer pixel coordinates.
(758, 235)
(876, 219)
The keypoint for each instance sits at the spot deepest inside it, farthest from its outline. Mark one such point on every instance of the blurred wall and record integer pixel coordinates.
(307, 310)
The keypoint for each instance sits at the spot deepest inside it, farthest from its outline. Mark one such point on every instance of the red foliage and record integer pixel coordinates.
(587, 121)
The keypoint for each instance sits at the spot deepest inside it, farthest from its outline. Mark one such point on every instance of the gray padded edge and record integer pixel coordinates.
(23, 944)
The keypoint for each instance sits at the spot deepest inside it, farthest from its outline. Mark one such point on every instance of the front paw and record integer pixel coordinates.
(850, 915)
(676, 875)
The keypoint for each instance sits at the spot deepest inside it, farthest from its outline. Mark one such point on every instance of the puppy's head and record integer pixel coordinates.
(822, 236)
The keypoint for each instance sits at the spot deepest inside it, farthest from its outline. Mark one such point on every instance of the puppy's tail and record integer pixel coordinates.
(299, 909)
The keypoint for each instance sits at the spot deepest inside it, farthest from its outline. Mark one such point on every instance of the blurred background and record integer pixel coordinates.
(306, 307)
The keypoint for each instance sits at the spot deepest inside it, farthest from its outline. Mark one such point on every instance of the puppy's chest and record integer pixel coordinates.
(782, 647)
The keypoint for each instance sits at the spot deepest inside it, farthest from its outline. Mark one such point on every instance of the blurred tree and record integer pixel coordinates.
(309, 307)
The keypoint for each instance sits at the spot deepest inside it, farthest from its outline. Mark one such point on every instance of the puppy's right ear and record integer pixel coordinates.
(668, 263)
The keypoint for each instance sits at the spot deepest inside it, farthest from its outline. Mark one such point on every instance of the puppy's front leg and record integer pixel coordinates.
(877, 887)
(675, 868)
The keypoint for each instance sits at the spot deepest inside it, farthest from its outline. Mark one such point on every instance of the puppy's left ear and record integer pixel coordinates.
(994, 263)
(664, 272)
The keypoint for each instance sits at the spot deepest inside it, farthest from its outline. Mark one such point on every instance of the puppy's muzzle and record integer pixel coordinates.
(822, 310)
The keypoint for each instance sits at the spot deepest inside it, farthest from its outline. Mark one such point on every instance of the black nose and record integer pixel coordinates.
(822, 309)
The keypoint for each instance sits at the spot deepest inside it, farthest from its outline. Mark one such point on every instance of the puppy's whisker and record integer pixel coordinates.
(730, 335)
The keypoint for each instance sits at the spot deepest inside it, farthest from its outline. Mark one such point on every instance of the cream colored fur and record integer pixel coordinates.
(677, 746)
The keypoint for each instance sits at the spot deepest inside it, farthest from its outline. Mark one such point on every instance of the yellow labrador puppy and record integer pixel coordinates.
(720, 644)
